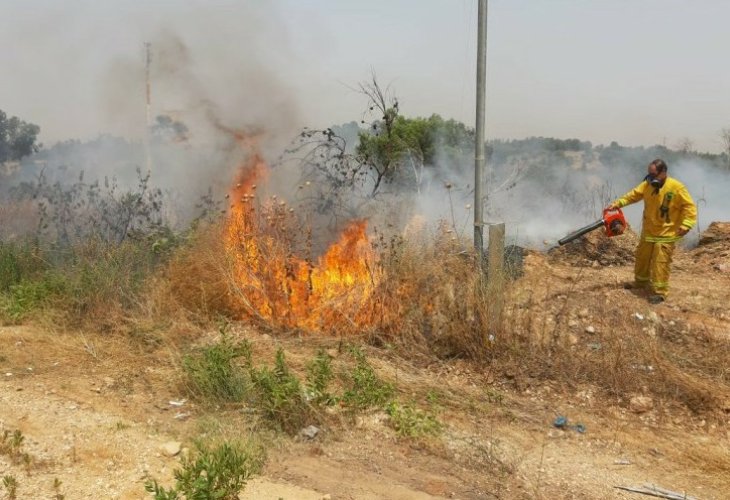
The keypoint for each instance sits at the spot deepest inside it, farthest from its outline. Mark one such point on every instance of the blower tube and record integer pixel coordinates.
(580, 232)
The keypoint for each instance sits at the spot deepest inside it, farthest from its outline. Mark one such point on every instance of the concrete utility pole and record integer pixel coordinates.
(148, 108)
(479, 160)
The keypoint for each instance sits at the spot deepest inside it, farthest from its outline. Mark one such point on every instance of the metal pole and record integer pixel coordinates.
(479, 159)
(148, 108)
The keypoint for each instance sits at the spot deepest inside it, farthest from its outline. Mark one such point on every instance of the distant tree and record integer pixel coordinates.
(168, 129)
(413, 145)
(397, 150)
(17, 138)
(685, 145)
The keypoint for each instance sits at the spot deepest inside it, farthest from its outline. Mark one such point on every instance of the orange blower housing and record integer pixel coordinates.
(613, 221)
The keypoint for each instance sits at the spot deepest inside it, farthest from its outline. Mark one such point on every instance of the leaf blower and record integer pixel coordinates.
(613, 220)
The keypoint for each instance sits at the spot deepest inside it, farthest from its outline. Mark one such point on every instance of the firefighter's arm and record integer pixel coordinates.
(688, 212)
(632, 196)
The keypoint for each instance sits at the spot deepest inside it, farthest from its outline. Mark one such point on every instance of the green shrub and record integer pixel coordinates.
(366, 389)
(11, 444)
(87, 281)
(11, 485)
(280, 395)
(212, 373)
(103, 274)
(409, 421)
(17, 262)
(319, 376)
(29, 295)
(211, 473)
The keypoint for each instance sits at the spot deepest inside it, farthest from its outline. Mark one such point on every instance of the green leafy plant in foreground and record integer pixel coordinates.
(213, 374)
(366, 389)
(409, 421)
(280, 395)
(212, 473)
(319, 376)
(11, 485)
(28, 295)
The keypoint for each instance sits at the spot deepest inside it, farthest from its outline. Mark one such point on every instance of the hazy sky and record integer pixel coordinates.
(634, 71)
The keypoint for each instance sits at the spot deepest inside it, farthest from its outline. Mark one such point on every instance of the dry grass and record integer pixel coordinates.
(197, 280)
(423, 296)
(431, 297)
(419, 294)
(429, 302)
(545, 338)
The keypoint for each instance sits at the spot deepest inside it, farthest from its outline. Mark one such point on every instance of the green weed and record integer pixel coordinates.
(319, 376)
(280, 395)
(11, 485)
(434, 397)
(28, 295)
(11, 444)
(366, 389)
(17, 262)
(57, 489)
(212, 473)
(494, 396)
(122, 426)
(212, 373)
(409, 421)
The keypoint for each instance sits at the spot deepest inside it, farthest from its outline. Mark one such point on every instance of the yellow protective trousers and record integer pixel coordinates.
(653, 262)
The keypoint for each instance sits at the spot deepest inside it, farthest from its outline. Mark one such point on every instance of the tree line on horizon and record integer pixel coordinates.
(385, 152)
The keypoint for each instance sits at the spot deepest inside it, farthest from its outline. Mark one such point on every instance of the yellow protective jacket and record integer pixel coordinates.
(665, 210)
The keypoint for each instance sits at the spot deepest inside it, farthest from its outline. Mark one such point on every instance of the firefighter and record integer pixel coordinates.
(669, 214)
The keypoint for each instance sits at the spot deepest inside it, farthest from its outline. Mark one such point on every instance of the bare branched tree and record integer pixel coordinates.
(384, 106)
(685, 145)
(331, 173)
(340, 179)
(382, 102)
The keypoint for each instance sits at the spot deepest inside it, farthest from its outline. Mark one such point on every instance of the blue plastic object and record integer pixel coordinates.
(561, 422)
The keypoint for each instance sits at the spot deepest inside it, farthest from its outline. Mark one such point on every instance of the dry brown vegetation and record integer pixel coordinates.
(571, 339)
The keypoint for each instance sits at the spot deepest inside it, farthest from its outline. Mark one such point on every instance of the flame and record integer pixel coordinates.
(272, 281)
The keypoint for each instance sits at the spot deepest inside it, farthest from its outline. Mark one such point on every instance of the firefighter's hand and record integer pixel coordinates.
(612, 206)
(682, 231)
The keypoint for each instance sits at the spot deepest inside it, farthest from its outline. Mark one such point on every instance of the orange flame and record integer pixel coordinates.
(275, 284)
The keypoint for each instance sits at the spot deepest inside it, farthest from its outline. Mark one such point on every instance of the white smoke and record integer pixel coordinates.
(545, 202)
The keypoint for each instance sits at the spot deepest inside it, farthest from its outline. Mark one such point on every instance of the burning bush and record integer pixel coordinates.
(421, 290)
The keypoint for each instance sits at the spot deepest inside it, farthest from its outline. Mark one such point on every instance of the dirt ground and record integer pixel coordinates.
(96, 411)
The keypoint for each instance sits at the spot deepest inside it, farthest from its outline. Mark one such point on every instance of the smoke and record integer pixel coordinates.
(543, 195)
(201, 84)
(708, 187)
(218, 84)
(214, 92)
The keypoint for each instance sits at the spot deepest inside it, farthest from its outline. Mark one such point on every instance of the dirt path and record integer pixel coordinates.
(92, 445)
(96, 450)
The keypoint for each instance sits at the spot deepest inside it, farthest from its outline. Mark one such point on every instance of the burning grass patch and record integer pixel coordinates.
(421, 293)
